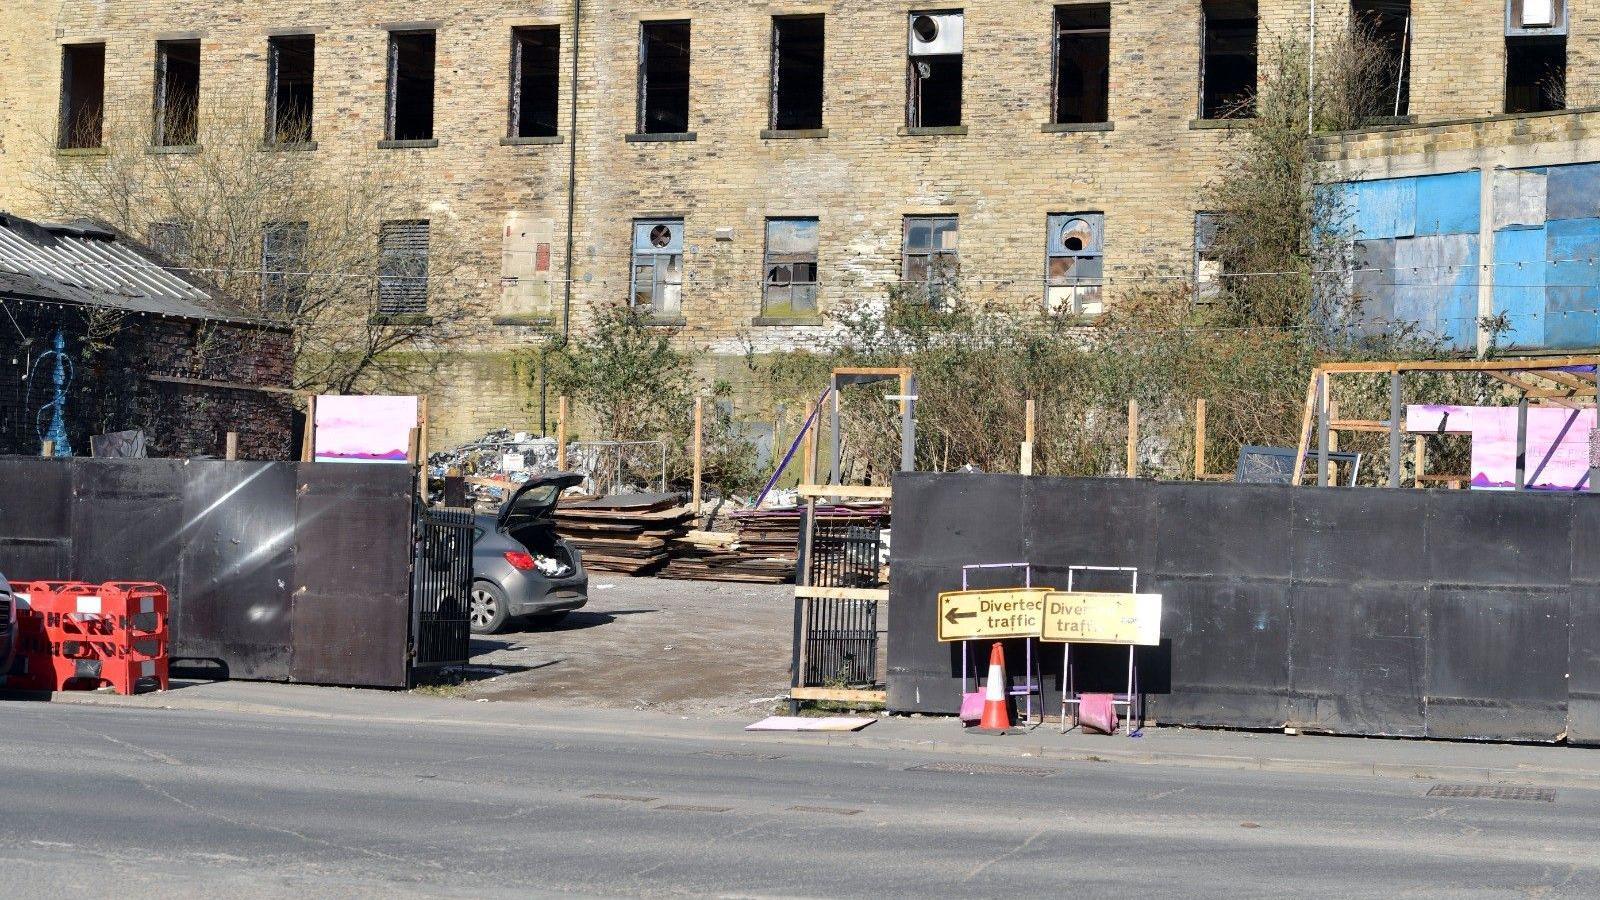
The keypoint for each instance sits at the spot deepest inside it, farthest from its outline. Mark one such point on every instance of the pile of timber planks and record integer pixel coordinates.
(627, 533)
(764, 548)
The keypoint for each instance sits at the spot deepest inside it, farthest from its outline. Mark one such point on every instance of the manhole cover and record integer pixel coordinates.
(959, 768)
(1492, 792)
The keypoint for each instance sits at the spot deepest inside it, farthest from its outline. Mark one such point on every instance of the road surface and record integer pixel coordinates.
(151, 802)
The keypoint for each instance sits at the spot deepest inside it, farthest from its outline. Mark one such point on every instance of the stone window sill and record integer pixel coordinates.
(780, 321)
(173, 149)
(661, 137)
(81, 151)
(1065, 127)
(408, 145)
(532, 140)
(527, 321)
(940, 131)
(270, 147)
(664, 321)
(791, 134)
(1207, 124)
(410, 319)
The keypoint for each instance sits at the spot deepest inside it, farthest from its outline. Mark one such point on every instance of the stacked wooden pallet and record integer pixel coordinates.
(719, 556)
(627, 533)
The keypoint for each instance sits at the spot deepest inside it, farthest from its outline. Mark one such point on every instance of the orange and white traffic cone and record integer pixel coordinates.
(996, 717)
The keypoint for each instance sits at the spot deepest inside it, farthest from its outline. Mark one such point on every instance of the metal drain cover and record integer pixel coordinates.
(961, 768)
(1492, 792)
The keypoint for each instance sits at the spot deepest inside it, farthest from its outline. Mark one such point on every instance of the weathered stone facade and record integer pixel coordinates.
(1003, 173)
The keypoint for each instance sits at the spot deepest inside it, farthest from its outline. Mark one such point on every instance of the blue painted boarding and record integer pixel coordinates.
(1448, 204)
(1519, 285)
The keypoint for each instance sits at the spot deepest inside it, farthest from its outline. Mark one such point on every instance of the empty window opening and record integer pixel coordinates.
(535, 80)
(283, 267)
(1386, 25)
(1228, 68)
(291, 66)
(1075, 256)
(1207, 259)
(658, 267)
(797, 72)
(931, 257)
(411, 56)
(663, 77)
(171, 242)
(177, 111)
(83, 95)
(1083, 63)
(791, 264)
(1536, 74)
(403, 268)
(933, 69)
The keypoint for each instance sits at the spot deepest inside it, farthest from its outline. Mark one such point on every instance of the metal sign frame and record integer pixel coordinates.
(1068, 695)
(1031, 680)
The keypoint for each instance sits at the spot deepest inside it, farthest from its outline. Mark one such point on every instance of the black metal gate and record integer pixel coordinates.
(841, 642)
(845, 555)
(441, 589)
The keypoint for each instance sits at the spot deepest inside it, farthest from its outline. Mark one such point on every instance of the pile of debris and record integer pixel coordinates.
(765, 546)
(495, 464)
(626, 533)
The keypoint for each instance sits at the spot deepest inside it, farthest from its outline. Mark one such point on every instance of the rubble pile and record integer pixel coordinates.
(495, 464)
(626, 533)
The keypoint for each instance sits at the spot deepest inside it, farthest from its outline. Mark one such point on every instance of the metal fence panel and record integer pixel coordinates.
(442, 585)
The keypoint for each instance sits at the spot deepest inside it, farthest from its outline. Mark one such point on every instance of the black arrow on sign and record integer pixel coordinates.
(952, 615)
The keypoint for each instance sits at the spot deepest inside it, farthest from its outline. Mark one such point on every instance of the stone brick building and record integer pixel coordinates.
(742, 167)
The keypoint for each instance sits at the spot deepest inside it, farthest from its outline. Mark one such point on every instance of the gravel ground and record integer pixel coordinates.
(647, 643)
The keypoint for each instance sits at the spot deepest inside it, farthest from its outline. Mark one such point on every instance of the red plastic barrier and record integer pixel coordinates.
(75, 635)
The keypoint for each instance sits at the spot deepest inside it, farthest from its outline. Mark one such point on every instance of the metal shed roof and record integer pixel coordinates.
(84, 263)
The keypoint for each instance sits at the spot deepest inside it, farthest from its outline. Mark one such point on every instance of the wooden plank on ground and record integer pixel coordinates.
(842, 593)
(838, 695)
(848, 491)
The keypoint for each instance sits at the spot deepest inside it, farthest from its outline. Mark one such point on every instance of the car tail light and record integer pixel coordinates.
(521, 561)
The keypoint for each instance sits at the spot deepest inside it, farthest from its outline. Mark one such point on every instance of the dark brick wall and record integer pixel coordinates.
(110, 390)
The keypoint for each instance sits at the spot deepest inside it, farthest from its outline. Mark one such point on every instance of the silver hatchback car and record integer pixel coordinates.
(520, 566)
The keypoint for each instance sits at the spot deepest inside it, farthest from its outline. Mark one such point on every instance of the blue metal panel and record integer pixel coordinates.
(1573, 192)
(1448, 204)
(1519, 285)
(1436, 286)
(1572, 277)
(1385, 208)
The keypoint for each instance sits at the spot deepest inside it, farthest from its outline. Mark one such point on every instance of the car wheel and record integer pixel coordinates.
(488, 610)
(548, 619)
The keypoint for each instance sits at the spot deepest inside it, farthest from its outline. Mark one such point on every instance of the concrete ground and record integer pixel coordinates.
(647, 643)
(276, 791)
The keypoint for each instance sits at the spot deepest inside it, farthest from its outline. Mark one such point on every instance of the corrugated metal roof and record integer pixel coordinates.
(84, 263)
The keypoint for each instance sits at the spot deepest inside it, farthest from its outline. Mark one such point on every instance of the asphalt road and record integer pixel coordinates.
(150, 802)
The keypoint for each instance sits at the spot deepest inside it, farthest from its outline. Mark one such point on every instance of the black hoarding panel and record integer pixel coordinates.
(237, 562)
(1230, 651)
(1583, 688)
(1089, 521)
(351, 612)
(1495, 537)
(1218, 529)
(35, 519)
(1359, 534)
(1497, 663)
(923, 673)
(127, 520)
(1358, 658)
(960, 518)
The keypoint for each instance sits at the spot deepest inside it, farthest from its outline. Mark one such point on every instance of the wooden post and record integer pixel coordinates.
(561, 434)
(699, 459)
(1421, 457)
(1305, 428)
(411, 446)
(1026, 467)
(814, 447)
(47, 449)
(1333, 444)
(230, 446)
(1200, 438)
(1133, 439)
(422, 448)
(308, 446)
(808, 444)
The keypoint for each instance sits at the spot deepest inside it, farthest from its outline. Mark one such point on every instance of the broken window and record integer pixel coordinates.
(291, 63)
(1536, 73)
(177, 112)
(791, 281)
(663, 77)
(933, 73)
(1228, 67)
(658, 267)
(1207, 261)
(283, 267)
(931, 257)
(411, 85)
(1386, 25)
(403, 268)
(797, 67)
(535, 80)
(83, 95)
(1083, 63)
(1076, 259)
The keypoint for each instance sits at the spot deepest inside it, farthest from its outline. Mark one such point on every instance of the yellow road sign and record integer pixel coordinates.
(1084, 617)
(1007, 613)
